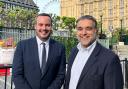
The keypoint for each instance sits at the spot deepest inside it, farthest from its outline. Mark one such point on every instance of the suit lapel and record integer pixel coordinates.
(72, 57)
(90, 61)
(71, 60)
(34, 49)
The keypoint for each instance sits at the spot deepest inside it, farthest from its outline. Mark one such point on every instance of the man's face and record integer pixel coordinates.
(86, 32)
(43, 27)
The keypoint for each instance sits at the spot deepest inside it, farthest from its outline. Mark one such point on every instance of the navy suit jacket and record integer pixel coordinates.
(26, 67)
(102, 70)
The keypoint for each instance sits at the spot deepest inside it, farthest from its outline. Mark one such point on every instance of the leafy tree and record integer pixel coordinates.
(1, 13)
(1, 6)
(119, 33)
(56, 21)
(20, 17)
(68, 23)
(10, 17)
(63, 22)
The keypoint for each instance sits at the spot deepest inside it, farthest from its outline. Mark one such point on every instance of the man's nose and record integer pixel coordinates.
(84, 31)
(43, 27)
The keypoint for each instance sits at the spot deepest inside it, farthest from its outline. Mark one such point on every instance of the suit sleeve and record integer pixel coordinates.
(113, 78)
(59, 80)
(18, 69)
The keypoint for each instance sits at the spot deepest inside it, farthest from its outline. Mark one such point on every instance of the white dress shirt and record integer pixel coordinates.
(79, 63)
(40, 47)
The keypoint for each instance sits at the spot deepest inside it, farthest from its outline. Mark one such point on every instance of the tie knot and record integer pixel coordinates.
(43, 43)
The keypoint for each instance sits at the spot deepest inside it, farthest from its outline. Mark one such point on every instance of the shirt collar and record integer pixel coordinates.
(40, 41)
(91, 47)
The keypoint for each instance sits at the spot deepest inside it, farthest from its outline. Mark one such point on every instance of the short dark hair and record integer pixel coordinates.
(89, 17)
(45, 14)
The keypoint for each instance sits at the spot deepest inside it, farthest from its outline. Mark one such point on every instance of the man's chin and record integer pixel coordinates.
(45, 38)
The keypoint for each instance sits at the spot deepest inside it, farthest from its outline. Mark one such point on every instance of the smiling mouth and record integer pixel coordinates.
(44, 32)
(84, 37)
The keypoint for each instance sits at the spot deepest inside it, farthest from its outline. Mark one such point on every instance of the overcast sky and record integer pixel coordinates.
(48, 6)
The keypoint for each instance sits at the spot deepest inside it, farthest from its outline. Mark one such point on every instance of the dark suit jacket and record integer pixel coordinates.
(26, 68)
(102, 70)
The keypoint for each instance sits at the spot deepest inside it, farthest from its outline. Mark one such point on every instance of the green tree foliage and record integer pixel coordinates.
(68, 22)
(69, 43)
(1, 13)
(19, 17)
(1, 7)
(63, 23)
(117, 34)
(56, 21)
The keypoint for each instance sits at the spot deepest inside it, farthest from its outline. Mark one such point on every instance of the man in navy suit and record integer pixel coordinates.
(92, 66)
(30, 56)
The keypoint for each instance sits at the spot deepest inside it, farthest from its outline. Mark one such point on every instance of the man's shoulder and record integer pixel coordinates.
(74, 48)
(107, 53)
(26, 41)
(107, 50)
(55, 42)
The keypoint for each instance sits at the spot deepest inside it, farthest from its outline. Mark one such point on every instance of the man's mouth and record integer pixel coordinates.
(84, 37)
(44, 31)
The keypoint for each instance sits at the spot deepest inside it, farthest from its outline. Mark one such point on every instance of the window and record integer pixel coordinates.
(121, 8)
(110, 8)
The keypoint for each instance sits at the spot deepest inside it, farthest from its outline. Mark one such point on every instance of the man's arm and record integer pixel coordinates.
(18, 69)
(113, 78)
(59, 80)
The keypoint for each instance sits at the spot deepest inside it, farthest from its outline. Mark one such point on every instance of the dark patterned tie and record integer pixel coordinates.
(43, 58)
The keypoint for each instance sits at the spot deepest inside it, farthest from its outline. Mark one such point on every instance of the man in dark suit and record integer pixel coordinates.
(39, 62)
(92, 66)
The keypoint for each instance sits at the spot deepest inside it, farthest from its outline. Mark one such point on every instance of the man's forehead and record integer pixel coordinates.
(44, 17)
(85, 22)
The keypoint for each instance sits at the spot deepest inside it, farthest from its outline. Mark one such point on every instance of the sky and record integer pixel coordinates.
(48, 6)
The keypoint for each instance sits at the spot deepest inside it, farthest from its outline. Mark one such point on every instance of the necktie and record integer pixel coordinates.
(43, 58)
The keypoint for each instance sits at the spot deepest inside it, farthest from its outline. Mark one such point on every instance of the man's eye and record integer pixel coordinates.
(40, 24)
(48, 25)
(89, 28)
(86, 28)
(79, 29)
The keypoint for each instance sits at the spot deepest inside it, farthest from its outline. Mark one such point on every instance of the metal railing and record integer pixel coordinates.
(124, 65)
(17, 33)
(6, 67)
